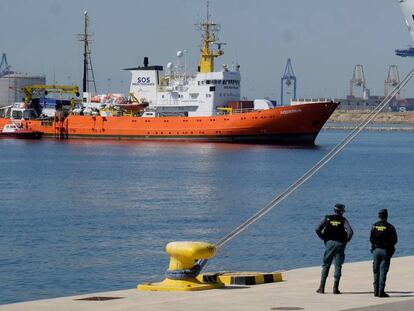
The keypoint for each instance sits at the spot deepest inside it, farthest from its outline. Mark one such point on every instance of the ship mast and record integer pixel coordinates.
(209, 37)
(86, 38)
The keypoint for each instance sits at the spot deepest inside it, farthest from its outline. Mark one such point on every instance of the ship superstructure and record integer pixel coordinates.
(174, 92)
(169, 93)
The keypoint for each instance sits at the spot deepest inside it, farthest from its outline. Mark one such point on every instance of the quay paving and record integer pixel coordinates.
(296, 292)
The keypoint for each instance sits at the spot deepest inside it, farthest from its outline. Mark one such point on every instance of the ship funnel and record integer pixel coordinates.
(145, 61)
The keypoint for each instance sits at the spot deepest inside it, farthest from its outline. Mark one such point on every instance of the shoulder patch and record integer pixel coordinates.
(335, 223)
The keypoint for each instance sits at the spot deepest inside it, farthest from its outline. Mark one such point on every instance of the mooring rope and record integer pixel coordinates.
(279, 198)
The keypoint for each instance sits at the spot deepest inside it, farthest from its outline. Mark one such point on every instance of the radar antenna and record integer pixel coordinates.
(210, 36)
(208, 10)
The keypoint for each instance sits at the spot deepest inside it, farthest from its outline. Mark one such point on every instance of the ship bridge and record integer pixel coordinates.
(180, 94)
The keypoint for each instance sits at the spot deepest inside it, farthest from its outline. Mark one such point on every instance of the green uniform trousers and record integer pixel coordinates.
(381, 264)
(334, 251)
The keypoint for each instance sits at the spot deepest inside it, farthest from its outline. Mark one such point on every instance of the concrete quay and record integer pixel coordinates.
(296, 292)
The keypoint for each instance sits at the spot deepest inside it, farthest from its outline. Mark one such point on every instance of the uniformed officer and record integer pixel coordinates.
(336, 232)
(383, 239)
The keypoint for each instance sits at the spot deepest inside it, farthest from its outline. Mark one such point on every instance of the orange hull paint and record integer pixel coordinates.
(291, 124)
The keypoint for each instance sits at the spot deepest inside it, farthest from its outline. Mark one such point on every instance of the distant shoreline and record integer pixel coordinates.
(356, 116)
(369, 128)
(385, 121)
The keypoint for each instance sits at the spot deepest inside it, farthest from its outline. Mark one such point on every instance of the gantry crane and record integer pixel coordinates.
(4, 66)
(358, 79)
(393, 79)
(288, 79)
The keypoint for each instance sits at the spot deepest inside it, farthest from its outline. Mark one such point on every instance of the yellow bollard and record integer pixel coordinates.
(183, 256)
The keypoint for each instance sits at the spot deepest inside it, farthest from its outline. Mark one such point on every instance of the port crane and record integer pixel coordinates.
(4, 66)
(393, 79)
(288, 79)
(358, 80)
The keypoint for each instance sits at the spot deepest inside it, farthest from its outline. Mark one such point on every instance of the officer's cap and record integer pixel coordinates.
(339, 207)
(383, 213)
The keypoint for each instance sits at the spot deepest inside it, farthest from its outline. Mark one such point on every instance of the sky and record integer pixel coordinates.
(324, 38)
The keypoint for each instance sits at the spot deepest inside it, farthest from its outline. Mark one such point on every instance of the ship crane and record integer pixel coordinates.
(358, 79)
(393, 79)
(31, 90)
(288, 79)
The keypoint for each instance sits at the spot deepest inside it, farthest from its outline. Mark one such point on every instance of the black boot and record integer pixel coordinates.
(376, 291)
(376, 284)
(321, 289)
(383, 294)
(336, 287)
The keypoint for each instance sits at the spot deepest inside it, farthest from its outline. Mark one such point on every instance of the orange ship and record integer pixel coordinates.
(299, 124)
(175, 105)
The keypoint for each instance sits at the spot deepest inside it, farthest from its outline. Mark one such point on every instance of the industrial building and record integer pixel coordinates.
(11, 83)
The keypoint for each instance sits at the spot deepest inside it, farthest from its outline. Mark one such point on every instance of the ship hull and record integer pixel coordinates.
(287, 139)
(22, 135)
(298, 124)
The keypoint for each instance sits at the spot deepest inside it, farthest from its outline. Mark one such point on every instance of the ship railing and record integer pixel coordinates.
(235, 111)
(243, 110)
(310, 100)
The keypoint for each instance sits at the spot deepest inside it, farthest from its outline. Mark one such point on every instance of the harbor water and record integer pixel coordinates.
(84, 216)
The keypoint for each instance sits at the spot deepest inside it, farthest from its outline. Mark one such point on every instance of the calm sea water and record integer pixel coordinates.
(90, 216)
